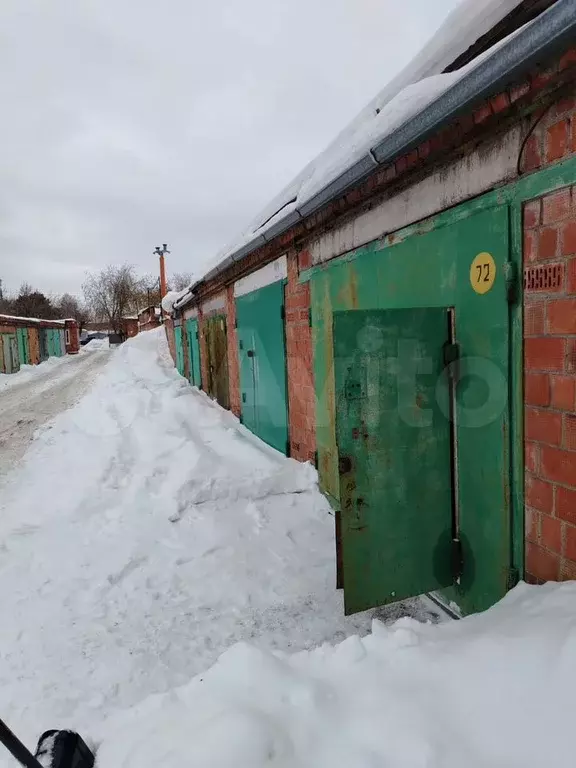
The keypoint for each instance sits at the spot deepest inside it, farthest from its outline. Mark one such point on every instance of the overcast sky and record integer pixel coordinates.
(127, 123)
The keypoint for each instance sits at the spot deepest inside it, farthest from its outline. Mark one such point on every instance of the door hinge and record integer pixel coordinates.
(240, 344)
(283, 312)
(512, 578)
(452, 358)
(512, 282)
(243, 397)
(310, 317)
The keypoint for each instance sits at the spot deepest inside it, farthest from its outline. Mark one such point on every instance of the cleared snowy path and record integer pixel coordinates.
(30, 398)
(172, 535)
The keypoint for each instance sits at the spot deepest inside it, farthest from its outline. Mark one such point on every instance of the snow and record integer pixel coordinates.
(32, 397)
(489, 691)
(146, 532)
(409, 92)
(42, 370)
(171, 298)
(32, 319)
(95, 344)
(169, 583)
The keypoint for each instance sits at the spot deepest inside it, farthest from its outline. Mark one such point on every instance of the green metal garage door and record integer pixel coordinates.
(23, 351)
(194, 368)
(179, 349)
(394, 532)
(262, 355)
(216, 338)
(392, 397)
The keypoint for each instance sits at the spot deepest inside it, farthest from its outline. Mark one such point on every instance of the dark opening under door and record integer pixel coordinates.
(394, 447)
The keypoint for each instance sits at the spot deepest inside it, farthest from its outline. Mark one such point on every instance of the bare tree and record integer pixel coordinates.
(112, 293)
(149, 293)
(180, 280)
(69, 306)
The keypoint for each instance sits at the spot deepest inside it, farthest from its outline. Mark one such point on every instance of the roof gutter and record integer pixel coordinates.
(534, 44)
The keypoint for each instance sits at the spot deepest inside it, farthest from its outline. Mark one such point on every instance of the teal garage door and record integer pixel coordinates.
(23, 351)
(262, 356)
(194, 369)
(179, 349)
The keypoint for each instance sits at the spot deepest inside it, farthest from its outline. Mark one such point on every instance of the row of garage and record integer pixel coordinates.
(258, 337)
(415, 334)
(26, 341)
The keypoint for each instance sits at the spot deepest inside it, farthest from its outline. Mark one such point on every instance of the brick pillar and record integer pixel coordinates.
(169, 328)
(301, 397)
(233, 361)
(550, 383)
(72, 337)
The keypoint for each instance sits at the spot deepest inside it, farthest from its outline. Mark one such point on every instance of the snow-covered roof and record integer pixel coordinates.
(31, 319)
(174, 298)
(415, 87)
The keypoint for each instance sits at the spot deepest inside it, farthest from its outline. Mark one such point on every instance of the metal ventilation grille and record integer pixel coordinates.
(545, 277)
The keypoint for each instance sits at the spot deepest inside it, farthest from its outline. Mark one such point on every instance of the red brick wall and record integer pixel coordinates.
(169, 328)
(233, 362)
(73, 344)
(301, 399)
(550, 360)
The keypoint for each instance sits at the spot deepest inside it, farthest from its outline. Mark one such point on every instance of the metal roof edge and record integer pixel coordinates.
(535, 42)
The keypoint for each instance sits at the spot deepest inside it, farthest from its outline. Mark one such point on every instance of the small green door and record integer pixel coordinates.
(193, 352)
(62, 342)
(50, 337)
(10, 353)
(262, 356)
(43, 343)
(23, 352)
(394, 444)
(217, 350)
(179, 349)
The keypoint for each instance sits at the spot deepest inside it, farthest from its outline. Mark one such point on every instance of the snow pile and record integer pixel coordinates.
(95, 344)
(46, 368)
(410, 91)
(29, 372)
(171, 298)
(490, 691)
(133, 551)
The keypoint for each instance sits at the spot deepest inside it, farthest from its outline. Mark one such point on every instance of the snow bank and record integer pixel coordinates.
(47, 368)
(146, 533)
(94, 345)
(29, 372)
(171, 298)
(491, 691)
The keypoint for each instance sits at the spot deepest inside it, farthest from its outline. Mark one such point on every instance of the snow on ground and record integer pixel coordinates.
(145, 533)
(37, 393)
(47, 369)
(491, 691)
